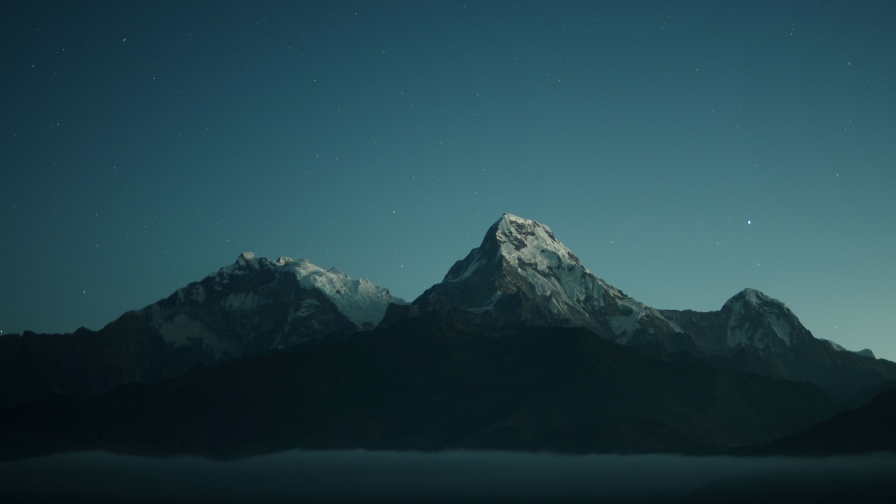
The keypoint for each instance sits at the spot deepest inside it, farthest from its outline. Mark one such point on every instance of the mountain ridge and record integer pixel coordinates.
(521, 274)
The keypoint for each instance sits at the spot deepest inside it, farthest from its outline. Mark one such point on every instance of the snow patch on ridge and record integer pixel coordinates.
(477, 262)
(363, 303)
(864, 353)
(631, 312)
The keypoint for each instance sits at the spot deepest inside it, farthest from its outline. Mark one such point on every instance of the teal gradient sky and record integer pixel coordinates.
(683, 150)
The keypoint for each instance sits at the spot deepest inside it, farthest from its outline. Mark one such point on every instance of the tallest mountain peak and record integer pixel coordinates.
(529, 240)
(522, 273)
(509, 223)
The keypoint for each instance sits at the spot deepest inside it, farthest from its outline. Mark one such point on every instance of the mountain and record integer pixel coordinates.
(250, 306)
(448, 379)
(756, 333)
(519, 347)
(522, 274)
(257, 304)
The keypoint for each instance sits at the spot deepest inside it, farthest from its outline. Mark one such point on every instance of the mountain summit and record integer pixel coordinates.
(522, 273)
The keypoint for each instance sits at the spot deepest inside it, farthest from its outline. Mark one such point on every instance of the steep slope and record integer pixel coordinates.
(252, 305)
(444, 380)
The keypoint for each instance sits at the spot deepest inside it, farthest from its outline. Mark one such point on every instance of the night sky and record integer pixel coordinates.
(683, 150)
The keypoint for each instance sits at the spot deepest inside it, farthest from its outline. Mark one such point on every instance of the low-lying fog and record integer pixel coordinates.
(345, 476)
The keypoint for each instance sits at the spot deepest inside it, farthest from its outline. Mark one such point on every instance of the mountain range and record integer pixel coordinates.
(519, 347)
(522, 273)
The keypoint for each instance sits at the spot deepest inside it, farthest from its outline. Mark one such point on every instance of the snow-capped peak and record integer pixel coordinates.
(752, 299)
(518, 241)
(755, 297)
(522, 257)
(257, 304)
(760, 320)
(532, 242)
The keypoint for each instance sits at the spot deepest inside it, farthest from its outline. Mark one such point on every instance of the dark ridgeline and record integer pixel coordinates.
(87, 363)
(443, 380)
(519, 347)
(867, 429)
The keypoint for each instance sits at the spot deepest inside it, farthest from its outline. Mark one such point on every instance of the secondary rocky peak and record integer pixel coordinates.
(752, 300)
(761, 321)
